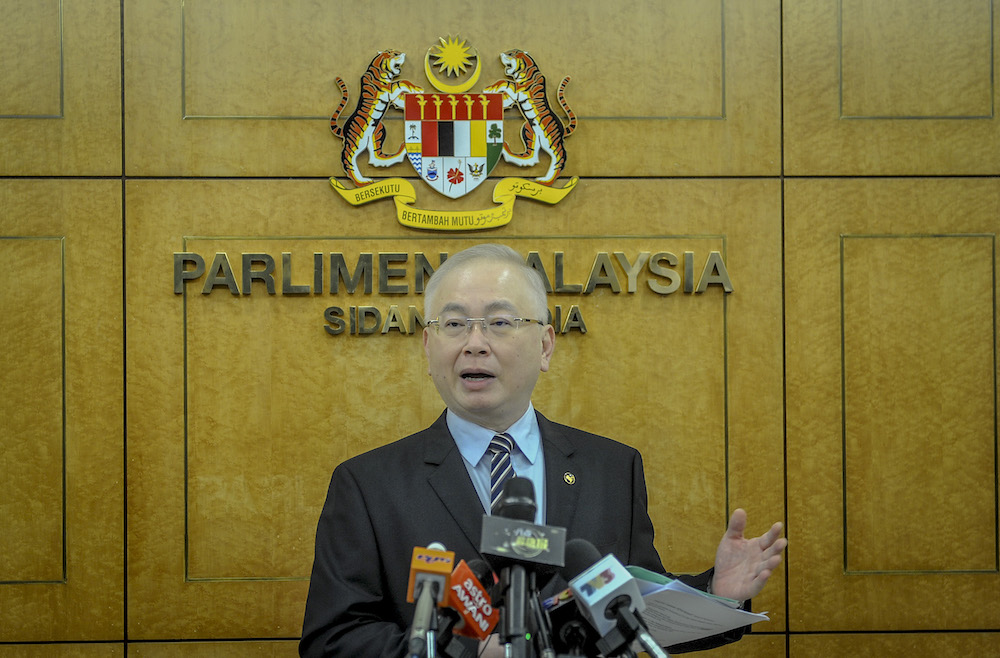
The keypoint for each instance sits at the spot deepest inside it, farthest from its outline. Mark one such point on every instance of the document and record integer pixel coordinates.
(678, 613)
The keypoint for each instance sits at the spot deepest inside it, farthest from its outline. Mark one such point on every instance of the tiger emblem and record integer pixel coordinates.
(542, 129)
(363, 130)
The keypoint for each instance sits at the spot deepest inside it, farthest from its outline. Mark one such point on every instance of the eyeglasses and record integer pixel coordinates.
(496, 326)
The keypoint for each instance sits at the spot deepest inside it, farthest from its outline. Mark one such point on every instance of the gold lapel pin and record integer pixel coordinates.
(569, 478)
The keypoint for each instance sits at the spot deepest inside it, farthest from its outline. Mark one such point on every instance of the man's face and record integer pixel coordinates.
(481, 378)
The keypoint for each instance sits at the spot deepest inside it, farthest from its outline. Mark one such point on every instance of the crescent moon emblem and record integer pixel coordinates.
(460, 88)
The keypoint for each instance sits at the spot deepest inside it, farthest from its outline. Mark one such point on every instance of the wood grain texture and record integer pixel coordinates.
(62, 448)
(872, 483)
(61, 89)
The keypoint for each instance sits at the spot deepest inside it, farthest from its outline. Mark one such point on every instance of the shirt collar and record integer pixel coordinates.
(473, 440)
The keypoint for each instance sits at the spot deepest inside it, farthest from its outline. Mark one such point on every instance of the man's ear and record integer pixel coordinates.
(548, 346)
(427, 352)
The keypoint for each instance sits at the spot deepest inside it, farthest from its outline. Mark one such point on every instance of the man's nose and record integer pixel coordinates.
(476, 339)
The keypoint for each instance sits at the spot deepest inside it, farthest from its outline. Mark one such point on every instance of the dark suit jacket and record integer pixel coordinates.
(415, 491)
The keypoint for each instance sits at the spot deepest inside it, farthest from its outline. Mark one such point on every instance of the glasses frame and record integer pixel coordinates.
(483, 325)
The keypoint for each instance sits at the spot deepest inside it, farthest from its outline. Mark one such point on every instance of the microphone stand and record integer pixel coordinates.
(543, 627)
(514, 627)
(515, 624)
(432, 635)
(423, 642)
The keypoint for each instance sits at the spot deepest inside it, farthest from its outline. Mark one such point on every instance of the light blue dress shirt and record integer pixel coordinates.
(473, 441)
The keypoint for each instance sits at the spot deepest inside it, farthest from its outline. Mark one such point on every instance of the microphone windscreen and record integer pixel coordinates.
(489, 578)
(483, 573)
(580, 555)
(517, 500)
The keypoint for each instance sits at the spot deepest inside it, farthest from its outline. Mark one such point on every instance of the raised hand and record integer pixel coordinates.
(742, 566)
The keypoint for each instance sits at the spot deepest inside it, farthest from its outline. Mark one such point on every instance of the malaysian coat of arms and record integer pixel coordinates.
(453, 137)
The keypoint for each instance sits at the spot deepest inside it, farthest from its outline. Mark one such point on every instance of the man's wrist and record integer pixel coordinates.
(708, 590)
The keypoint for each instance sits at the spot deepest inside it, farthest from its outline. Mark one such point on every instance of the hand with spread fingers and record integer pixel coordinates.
(742, 566)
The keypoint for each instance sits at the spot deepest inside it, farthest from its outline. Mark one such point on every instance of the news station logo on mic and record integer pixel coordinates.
(433, 565)
(469, 597)
(590, 587)
(525, 541)
(511, 535)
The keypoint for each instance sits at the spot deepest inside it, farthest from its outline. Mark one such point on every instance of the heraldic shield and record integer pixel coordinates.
(454, 140)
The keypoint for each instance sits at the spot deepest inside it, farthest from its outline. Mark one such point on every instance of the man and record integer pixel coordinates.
(486, 343)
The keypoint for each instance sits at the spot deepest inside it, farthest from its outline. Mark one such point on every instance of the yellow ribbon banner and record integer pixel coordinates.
(505, 193)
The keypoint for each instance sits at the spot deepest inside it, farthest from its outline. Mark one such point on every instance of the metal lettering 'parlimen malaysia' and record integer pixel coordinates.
(663, 272)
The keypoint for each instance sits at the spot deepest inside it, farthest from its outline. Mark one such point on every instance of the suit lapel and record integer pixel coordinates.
(450, 481)
(560, 493)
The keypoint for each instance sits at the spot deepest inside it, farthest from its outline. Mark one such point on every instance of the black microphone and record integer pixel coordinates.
(517, 500)
(483, 573)
(572, 634)
(510, 536)
(514, 544)
(449, 646)
(608, 597)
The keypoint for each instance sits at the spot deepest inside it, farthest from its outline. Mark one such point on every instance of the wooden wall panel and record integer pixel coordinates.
(239, 406)
(918, 399)
(221, 89)
(276, 649)
(759, 644)
(60, 88)
(891, 380)
(32, 380)
(62, 548)
(732, 129)
(62, 650)
(904, 644)
(890, 87)
(243, 404)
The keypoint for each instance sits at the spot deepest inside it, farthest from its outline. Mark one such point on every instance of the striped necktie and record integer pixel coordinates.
(501, 469)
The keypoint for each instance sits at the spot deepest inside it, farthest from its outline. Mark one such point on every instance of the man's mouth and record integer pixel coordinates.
(476, 376)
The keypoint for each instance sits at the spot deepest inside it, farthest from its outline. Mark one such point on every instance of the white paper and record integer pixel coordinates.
(677, 613)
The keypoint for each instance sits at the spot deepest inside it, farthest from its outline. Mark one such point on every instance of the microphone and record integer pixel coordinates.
(471, 600)
(447, 644)
(573, 635)
(609, 598)
(511, 537)
(430, 574)
(469, 610)
(517, 500)
(513, 544)
(484, 574)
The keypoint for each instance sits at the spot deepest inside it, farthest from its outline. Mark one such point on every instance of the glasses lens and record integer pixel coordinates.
(501, 325)
(452, 326)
